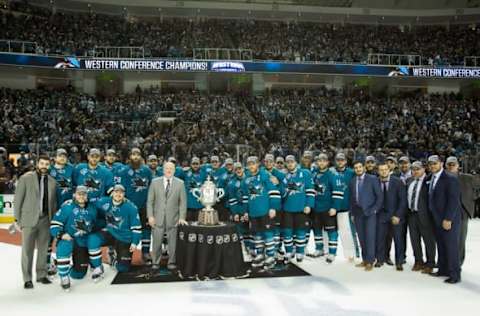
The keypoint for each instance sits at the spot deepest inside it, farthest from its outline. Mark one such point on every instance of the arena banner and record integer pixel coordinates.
(6, 208)
(185, 65)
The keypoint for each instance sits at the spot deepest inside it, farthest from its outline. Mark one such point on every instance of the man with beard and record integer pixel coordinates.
(123, 231)
(391, 216)
(342, 175)
(71, 226)
(34, 204)
(110, 162)
(298, 201)
(366, 199)
(261, 200)
(155, 169)
(194, 178)
(62, 172)
(98, 179)
(237, 207)
(276, 177)
(371, 165)
(136, 178)
(324, 217)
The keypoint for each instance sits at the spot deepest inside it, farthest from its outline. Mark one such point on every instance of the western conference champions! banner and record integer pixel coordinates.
(183, 65)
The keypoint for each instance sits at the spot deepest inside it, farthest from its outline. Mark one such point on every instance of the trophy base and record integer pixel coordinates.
(208, 217)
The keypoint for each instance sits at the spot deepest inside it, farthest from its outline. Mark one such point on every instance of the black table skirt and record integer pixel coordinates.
(209, 252)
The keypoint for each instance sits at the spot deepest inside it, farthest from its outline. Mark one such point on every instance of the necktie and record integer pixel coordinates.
(167, 189)
(359, 188)
(414, 197)
(42, 192)
(384, 192)
(432, 184)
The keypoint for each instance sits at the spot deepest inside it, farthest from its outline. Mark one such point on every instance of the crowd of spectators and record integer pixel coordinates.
(79, 33)
(281, 122)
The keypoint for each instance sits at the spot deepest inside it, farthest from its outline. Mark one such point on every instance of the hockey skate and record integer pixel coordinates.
(97, 274)
(65, 283)
(316, 254)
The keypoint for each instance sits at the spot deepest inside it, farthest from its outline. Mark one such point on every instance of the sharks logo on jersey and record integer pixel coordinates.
(139, 184)
(82, 226)
(112, 220)
(92, 184)
(254, 189)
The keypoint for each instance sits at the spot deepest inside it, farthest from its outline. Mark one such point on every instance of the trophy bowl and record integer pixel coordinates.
(208, 194)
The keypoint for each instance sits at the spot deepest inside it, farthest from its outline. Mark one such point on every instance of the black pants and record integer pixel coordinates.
(463, 235)
(422, 228)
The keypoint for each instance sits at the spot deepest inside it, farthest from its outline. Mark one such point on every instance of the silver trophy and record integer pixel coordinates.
(208, 194)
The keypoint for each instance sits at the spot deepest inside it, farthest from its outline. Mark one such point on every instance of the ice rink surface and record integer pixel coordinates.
(337, 289)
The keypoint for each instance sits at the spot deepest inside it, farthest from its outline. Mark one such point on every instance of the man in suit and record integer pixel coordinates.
(391, 216)
(365, 201)
(420, 221)
(468, 186)
(35, 202)
(444, 204)
(166, 208)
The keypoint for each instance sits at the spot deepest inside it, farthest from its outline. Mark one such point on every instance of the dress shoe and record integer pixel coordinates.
(368, 267)
(418, 266)
(44, 280)
(399, 267)
(438, 274)
(28, 285)
(389, 262)
(378, 264)
(452, 281)
(360, 265)
(427, 270)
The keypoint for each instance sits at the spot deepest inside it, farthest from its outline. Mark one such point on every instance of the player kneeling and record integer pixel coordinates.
(72, 225)
(123, 231)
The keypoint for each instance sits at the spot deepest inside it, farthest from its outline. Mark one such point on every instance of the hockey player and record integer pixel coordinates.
(324, 217)
(70, 226)
(276, 176)
(194, 179)
(280, 164)
(219, 176)
(342, 175)
(136, 178)
(110, 161)
(237, 207)
(371, 165)
(261, 200)
(98, 179)
(123, 231)
(155, 169)
(298, 200)
(307, 160)
(62, 172)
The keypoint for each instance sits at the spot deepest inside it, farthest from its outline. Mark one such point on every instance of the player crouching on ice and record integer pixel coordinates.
(71, 225)
(123, 231)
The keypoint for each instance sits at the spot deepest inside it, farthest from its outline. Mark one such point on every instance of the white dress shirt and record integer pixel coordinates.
(165, 182)
(435, 177)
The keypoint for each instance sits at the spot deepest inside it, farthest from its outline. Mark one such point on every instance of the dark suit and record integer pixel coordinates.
(370, 199)
(420, 224)
(468, 186)
(444, 204)
(394, 204)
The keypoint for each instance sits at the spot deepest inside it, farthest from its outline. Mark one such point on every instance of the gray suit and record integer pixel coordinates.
(167, 211)
(35, 227)
(468, 186)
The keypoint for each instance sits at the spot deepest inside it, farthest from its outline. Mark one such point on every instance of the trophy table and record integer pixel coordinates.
(208, 248)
